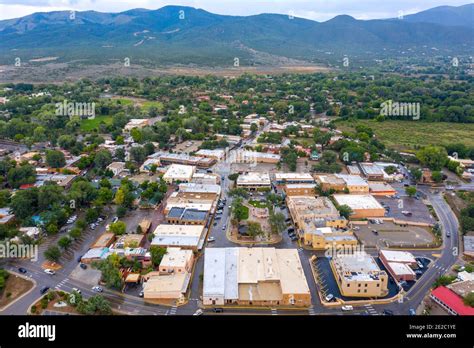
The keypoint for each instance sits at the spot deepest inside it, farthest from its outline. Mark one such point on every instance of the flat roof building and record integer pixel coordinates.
(363, 206)
(254, 180)
(254, 276)
(381, 189)
(177, 260)
(166, 287)
(358, 275)
(293, 178)
(299, 189)
(372, 171)
(179, 173)
(184, 236)
(217, 154)
(303, 208)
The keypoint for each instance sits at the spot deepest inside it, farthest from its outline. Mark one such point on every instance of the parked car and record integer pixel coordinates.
(49, 271)
(218, 310)
(44, 290)
(375, 232)
(97, 289)
(211, 239)
(22, 270)
(448, 234)
(83, 266)
(141, 294)
(224, 227)
(199, 312)
(387, 312)
(347, 308)
(329, 298)
(411, 311)
(420, 265)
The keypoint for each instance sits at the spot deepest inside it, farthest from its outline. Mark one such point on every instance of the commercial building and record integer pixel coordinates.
(254, 157)
(399, 264)
(177, 260)
(381, 189)
(321, 238)
(341, 182)
(187, 216)
(306, 208)
(450, 301)
(358, 275)
(254, 276)
(166, 287)
(184, 236)
(217, 154)
(104, 240)
(205, 179)
(363, 206)
(254, 181)
(179, 173)
(299, 189)
(180, 158)
(293, 178)
(353, 170)
(199, 188)
(372, 171)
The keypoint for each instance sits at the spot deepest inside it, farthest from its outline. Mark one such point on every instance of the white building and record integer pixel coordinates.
(179, 173)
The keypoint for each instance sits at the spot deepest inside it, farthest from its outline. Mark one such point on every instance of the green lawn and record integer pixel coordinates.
(148, 104)
(89, 125)
(406, 135)
(258, 204)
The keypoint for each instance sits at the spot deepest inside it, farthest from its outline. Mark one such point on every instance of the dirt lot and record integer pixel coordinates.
(390, 233)
(15, 286)
(187, 146)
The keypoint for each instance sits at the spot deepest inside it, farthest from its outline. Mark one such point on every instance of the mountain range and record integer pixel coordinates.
(185, 35)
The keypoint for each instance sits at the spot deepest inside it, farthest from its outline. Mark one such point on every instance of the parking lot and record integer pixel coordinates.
(419, 211)
(390, 234)
(187, 146)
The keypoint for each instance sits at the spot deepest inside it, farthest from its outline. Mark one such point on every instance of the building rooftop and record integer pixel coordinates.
(359, 266)
(400, 268)
(452, 300)
(179, 171)
(371, 169)
(352, 180)
(193, 187)
(177, 235)
(312, 207)
(357, 202)
(293, 176)
(254, 178)
(397, 256)
(176, 257)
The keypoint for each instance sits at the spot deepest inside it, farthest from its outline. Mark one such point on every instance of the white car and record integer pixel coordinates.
(198, 312)
(49, 271)
(211, 239)
(329, 298)
(76, 290)
(97, 289)
(223, 227)
(347, 308)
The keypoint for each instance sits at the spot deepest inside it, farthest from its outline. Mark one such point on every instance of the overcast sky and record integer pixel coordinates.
(320, 10)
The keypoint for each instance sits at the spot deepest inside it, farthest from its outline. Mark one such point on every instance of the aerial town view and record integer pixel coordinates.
(236, 161)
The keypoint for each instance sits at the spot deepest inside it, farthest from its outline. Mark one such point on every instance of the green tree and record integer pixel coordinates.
(157, 254)
(52, 254)
(102, 159)
(277, 223)
(55, 159)
(254, 229)
(345, 211)
(118, 227)
(410, 191)
(65, 242)
(434, 157)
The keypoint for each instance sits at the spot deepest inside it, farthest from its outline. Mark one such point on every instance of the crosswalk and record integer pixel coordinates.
(311, 311)
(444, 269)
(370, 309)
(274, 311)
(61, 283)
(172, 311)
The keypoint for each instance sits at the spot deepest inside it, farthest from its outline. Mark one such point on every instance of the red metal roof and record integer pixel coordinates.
(26, 186)
(452, 300)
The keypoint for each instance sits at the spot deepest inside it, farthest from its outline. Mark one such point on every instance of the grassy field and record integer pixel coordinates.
(89, 125)
(148, 104)
(407, 135)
